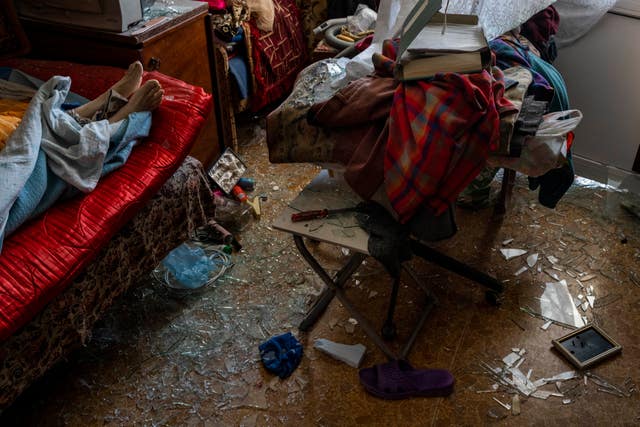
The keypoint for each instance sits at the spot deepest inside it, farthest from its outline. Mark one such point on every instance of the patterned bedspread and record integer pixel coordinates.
(65, 323)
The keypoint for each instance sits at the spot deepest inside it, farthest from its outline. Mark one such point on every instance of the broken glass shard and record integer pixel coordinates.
(512, 253)
(557, 304)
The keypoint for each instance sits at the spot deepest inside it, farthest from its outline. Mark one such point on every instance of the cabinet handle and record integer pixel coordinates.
(154, 64)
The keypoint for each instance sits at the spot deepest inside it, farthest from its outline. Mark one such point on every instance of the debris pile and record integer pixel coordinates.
(509, 379)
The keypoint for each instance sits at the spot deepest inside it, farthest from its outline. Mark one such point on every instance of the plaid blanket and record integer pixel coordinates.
(440, 133)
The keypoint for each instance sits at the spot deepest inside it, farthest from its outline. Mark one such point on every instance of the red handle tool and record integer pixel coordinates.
(317, 214)
(309, 215)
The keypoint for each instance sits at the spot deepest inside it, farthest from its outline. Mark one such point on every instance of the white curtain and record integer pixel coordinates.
(496, 16)
(577, 17)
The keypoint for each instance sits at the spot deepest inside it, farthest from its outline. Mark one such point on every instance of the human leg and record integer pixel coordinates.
(125, 87)
(147, 98)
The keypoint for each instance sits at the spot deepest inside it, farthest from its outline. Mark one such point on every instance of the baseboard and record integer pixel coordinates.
(609, 175)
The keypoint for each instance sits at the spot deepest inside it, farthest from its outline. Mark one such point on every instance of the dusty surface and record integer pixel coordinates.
(164, 359)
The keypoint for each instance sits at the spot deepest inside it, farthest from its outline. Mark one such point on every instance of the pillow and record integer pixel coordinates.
(264, 12)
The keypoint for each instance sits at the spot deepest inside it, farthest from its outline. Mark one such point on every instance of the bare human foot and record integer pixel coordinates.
(131, 80)
(126, 86)
(147, 98)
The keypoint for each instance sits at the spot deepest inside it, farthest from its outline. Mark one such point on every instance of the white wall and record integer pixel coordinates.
(602, 73)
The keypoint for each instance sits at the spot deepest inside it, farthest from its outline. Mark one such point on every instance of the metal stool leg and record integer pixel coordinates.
(455, 266)
(327, 295)
(429, 303)
(389, 329)
(508, 181)
(335, 288)
(318, 308)
(365, 325)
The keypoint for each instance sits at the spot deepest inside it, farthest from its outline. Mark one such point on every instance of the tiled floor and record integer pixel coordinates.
(162, 359)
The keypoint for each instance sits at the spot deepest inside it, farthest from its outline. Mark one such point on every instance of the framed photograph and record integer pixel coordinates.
(227, 170)
(586, 346)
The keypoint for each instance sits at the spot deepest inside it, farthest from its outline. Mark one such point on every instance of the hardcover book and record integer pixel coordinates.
(431, 43)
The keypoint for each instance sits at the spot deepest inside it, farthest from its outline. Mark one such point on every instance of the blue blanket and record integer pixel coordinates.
(50, 155)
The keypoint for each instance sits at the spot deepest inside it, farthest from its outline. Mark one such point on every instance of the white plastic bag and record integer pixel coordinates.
(559, 123)
(363, 19)
(545, 150)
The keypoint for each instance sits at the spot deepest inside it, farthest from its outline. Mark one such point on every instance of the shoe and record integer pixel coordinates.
(397, 379)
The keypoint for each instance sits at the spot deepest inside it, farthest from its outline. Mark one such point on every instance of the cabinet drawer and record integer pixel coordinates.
(180, 53)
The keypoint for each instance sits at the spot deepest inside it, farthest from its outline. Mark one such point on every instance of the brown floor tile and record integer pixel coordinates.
(159, 359)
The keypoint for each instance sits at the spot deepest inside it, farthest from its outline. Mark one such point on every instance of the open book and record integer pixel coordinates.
(431, 43)
(459, 33)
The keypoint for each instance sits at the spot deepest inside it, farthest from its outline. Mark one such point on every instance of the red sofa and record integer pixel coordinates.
(60, 271)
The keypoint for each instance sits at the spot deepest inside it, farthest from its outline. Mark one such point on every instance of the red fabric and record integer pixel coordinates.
(42, 257)
(359, 114)
(277, 56)
(364, 43)
(541, 26)
(440, 133)
(441, 130)
(215, 4)
(570, 137)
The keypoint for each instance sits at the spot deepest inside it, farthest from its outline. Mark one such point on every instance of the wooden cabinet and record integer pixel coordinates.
(178, 45)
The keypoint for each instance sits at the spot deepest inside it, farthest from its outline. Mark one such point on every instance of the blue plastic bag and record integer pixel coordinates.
(189, 265)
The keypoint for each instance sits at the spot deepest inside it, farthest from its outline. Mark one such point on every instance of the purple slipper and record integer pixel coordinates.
(397, 379)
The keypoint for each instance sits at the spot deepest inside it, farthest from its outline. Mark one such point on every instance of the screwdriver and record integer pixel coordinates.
(320, 213)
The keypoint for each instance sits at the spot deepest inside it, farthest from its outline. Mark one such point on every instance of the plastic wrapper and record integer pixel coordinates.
(547, 149)
(362, 20)
(191, 268)
(189, 265)
(232, 215)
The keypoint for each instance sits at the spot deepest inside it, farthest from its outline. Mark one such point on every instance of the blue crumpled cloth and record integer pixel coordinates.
(240, 71)
(281, 354)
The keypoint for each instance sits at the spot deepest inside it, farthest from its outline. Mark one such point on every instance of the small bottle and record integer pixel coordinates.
(239, 193)
(247, 184)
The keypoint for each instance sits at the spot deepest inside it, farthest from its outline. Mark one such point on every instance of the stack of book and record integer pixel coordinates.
(457, 45)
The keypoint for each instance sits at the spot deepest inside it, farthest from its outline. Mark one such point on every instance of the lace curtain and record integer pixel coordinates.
(495, 16)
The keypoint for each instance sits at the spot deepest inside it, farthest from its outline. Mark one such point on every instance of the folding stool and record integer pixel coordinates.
(325, 192)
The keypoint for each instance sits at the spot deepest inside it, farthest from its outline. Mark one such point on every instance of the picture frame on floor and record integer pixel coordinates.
(586, 346)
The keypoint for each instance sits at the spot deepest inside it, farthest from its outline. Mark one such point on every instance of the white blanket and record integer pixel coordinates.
(50, 152)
